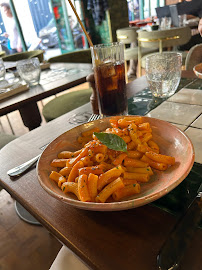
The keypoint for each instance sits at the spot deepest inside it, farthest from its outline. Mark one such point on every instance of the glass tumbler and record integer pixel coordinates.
(2, 70)
(109, 72)
(163, 73)
(182, 20)
(29, 70)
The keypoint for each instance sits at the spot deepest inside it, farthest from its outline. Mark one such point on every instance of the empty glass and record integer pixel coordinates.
(2, 70)
(182, 20)
(163, 73)
(165, 23)
(29, 70)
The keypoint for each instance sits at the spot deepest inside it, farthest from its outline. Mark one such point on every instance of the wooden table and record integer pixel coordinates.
(58, 78)
(126, 240)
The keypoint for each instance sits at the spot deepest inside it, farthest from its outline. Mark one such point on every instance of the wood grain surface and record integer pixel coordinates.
(127, 239)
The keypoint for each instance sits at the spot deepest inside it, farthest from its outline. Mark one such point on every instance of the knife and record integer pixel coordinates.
(180, 237)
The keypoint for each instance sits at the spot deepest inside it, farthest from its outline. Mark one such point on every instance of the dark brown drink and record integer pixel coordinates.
(111, 88)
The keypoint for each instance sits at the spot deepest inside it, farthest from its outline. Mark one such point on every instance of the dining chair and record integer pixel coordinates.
(162, 39)
(72, 100)
(194, 57)
(24, 55)
(128, 36)
(65, 103)
(6, 138)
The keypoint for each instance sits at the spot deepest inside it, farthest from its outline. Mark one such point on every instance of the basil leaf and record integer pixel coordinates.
(112, 141)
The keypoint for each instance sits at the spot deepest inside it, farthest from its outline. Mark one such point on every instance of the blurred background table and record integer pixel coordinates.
(59, 77)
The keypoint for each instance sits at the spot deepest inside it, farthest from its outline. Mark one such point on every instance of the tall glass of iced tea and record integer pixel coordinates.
(109, 72)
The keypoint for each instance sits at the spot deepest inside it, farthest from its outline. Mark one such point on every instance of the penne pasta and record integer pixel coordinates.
(70, 187)
(73, 161)
(109, 176)
(68, 154)
(161, 158)
(99, 157)
(65, 171)
(134, 154)
(98, 169)
(126, 191)
(90, 132)
(146, 170)
(83, 188)
(58, 178)
(98, 174)
(119, 159)
(92, 186)
(126, 139)
(143, 148)
(60, 163)
(132, 162)
(109, 189)
(140, 177)
(75, 171)
(156, 165)
(154, 146)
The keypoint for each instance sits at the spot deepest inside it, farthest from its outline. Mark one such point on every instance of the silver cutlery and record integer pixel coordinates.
(22, 168)
(19, 170)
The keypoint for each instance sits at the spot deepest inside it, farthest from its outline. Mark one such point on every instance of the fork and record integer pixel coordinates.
(94, 117)
(19, 170)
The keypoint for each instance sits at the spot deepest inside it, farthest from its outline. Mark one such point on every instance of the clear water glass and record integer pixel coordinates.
(182, 20)
(163, 73)
(2, 70)
(165, 23)
(29, 70)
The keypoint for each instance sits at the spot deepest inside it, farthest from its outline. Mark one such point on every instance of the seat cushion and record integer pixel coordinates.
(24, 55)
(6, 138)
(80, 56)
(65, 103)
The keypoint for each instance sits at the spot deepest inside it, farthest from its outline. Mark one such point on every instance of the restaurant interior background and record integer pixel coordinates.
(52, 24)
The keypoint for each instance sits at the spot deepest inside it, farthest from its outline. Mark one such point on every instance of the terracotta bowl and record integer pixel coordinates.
(171, 141)
(198, 70)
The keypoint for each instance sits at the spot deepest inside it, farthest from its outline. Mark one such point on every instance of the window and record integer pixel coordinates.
(147, 7)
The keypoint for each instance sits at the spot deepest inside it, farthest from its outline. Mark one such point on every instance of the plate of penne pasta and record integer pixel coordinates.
(115, 163)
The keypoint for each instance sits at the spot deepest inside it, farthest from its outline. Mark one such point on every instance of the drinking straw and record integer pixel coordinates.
(82, 26)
